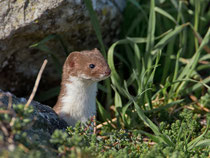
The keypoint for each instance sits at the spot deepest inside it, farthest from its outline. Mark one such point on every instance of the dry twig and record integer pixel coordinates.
(94, 124)
(193, 98)
(199, 38)
(6, 112)
(4, 129)
(36, 83)
(105, 123)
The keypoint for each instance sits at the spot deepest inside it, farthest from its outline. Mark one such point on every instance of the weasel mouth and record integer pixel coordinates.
(96, 78)
(105, 75)
(108, 72)
(100, 78)
(85, 77)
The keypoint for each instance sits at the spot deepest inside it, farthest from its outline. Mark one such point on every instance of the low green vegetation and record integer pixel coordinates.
(159, 89)
(181, 136)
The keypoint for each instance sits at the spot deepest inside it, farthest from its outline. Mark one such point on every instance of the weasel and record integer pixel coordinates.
(77, 98)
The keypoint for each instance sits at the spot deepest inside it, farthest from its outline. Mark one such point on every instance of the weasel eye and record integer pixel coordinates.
(91, 66)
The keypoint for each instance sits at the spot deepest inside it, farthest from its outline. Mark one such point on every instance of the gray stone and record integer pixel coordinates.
(46, 119)
(24, 23)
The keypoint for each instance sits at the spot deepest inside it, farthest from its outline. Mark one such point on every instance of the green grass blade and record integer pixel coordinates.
(132, 78)
(140, 40)
(150, 33)
(165, 40)
(196, 20)
(167, 139)
(158, 55)
(149, 81)
(195, 141)
(193, 62)
(137, 39)
(164, 13)
(169, 105)
(197, 86)
(158, 138)
(116, 80)
(124, 110)
(172, 90)
(137, 57)
(203, 143)
(205, 57)
(151, 27)
(189, 68)
(49, 37)
(179, 134)
(167, 61)
(203, 67)
(95, 24)
(155, 138)
(117, 101)
(102, 112)
(146, 120)
(180, 16)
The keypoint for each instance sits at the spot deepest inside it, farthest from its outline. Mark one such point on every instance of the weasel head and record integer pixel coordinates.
(86, 65)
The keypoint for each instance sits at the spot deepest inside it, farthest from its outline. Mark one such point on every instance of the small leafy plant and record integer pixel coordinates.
(184, 137)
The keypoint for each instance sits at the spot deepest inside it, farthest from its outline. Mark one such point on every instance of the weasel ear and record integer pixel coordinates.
(71, 64)
(96, 50)
(71, 59)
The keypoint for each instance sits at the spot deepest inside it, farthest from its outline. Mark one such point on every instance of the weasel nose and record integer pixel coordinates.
(108, 72)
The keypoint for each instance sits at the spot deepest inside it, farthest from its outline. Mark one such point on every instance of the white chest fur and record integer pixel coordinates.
(79, 101)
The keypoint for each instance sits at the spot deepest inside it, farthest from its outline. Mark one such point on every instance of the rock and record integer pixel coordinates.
(24, 23)
(46, 119)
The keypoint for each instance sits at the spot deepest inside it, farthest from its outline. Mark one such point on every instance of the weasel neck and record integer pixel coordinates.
(77, 100)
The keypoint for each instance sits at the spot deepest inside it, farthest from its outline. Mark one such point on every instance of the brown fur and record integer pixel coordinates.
(77, 65)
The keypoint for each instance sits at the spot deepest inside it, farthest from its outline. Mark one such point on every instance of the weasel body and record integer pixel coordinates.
(77, 98)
